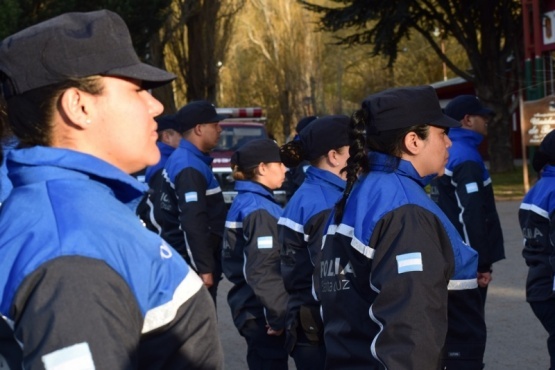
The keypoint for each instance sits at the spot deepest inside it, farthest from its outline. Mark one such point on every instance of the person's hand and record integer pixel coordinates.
(273, 332)
(484, 279)
(207, 279)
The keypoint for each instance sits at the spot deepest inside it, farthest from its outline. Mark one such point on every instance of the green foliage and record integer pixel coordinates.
(143, 17)
(10, 12)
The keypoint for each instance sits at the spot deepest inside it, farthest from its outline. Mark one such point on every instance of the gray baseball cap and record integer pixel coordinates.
(73, 45)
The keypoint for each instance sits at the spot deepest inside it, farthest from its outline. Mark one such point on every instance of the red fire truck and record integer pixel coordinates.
(243, 125)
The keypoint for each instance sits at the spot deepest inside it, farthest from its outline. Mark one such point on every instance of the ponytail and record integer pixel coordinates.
(358, 160)
(292, 153)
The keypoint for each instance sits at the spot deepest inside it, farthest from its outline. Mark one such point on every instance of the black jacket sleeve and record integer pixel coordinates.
(300, 256)
(473, 199)
(411, 268)
(190, 188)
(262, 265)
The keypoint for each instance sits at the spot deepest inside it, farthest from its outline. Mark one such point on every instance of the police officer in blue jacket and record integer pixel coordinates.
(250, 260)
(192, 211)
(324, 144)
(537, 221)
(465, 191)
(168, 139)
(394, 273)
(83, 284)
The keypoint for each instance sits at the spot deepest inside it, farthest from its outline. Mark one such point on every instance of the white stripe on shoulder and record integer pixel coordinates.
(534, 208)
(164, 314)
(362, 248)
(287, 222)
(448, 172)
(233, 225)
(462, 284)
(487, 181)
(77, 356)
(213, 191)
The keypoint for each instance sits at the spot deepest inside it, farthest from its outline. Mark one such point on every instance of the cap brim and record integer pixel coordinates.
(151, 76)
(446, 121)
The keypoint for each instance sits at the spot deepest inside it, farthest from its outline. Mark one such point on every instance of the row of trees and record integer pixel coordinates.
(299, 57)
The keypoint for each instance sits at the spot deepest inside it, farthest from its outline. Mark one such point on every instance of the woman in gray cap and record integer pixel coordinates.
(83, 284)
(251, 254)
(391, 260)
(325, 144)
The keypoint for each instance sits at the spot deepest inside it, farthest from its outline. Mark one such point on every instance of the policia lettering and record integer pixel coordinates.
(333, 275)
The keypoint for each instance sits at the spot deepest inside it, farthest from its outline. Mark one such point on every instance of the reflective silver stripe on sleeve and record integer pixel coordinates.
(293, 226)
(213, 191)
(534, 208)
(233, 225)
(164, 314)
(77, 356)
(348, 231)
(462, 284)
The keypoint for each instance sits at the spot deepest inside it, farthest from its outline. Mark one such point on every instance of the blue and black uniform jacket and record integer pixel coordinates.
(465, 194)
(250, 258)
(82, 280)
(192, 207)
(300, 229)
(387, 273)
(537, 221)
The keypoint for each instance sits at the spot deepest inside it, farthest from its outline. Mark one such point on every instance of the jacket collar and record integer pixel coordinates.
(39, 163)
(466, 135)
(187, 145)
(387, 163)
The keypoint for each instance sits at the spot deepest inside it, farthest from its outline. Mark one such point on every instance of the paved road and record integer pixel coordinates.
(516, 340)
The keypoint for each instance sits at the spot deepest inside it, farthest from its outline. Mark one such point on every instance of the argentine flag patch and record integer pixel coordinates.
(191, 197)
(264, 242)
(409, 262)
(471, 188)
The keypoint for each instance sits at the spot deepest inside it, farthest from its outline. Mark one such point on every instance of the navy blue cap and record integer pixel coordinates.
(303, 122)
(404, 107)
(197, 112)
(466, 104)
(167, 122)
(324, 134)
(73, 45)
(255, 152)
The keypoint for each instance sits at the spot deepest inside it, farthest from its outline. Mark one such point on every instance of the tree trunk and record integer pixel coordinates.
(165, 93)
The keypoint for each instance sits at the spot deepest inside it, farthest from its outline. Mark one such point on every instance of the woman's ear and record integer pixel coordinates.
(332, 158)
(75, 106)
(413, 144)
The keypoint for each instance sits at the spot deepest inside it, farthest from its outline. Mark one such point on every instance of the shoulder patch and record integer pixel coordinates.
(471, 187)
(264, 242)
(191, 197)
(77, 356)
(409, 262)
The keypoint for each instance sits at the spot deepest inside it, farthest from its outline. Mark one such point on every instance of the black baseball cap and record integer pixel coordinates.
(545, 153)
(167, 122)
(324, 134)
(254, 152)
(303, 122)
(197, 112)
(403, 107)
(73, 45)
(466, 104)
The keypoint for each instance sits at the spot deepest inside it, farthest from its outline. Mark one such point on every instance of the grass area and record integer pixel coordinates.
(510, 185)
